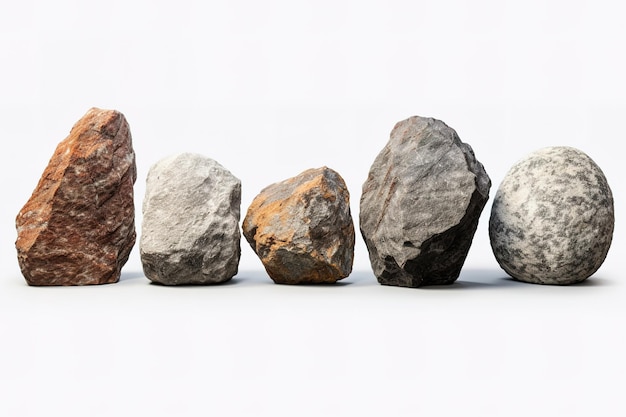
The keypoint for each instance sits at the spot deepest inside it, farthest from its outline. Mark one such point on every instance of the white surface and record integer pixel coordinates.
(269, 89)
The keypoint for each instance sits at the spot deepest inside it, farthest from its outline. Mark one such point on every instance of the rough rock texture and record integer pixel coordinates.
(421, 203)
(190, 230)
(78, 227)
(552, 219)
(301, 228)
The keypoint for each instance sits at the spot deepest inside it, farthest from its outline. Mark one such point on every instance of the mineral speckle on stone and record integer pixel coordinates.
(78, 227)
(302, 229)
(190, 230)
(552, 219)
(421, 203)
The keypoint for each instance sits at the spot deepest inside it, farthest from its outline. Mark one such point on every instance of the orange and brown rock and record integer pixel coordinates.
(302, 230)
(78, 227)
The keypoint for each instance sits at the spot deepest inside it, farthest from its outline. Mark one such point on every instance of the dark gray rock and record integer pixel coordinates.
(552, 219)
(421, 203)
(302, 229)
(190, 230)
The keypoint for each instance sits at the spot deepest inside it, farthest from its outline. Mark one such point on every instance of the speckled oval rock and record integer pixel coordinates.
(552, 219)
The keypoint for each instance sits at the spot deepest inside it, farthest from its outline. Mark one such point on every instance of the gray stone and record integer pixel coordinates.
(552, 219)
(190, 230)
(301, 228)
(421, 203)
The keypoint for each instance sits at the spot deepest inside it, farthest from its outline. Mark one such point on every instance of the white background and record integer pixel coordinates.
(269, 89)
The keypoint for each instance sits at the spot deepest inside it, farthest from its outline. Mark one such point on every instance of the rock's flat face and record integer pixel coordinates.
(78, 227)
(302, 230)
(552, 219)
(421, 203)
(190, 230)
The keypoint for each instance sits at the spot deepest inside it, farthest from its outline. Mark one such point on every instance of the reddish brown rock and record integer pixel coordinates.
(78, 227)
(302, 229)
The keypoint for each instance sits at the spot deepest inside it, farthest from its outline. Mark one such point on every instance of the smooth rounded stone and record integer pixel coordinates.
(421, 203)
(78, 227)
(302, 229)
(190, 231)
(552, 219)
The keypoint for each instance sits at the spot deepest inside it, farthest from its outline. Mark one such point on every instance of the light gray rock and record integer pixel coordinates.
(302, 229)
(190, 230)
(421, 203)
(552, 219)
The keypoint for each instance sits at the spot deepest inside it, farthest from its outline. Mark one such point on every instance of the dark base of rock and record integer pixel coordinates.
(160, 270)
(409, 280)
(300, 268)
(415, 275)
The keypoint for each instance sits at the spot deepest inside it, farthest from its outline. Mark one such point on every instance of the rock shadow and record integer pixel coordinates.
(230, 282)
(131, 275)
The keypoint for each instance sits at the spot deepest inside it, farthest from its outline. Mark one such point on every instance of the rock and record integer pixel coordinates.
(421, 203)
(190, 230)
(78, 227)
(301, 228)
(552, 219)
